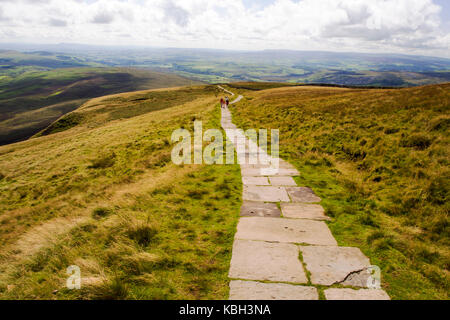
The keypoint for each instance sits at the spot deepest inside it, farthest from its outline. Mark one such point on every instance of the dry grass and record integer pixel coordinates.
(105, 198)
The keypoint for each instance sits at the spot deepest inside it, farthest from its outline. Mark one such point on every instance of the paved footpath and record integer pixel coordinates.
(283, 249)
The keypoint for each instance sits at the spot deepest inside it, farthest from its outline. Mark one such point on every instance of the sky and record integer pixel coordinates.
(376, 26)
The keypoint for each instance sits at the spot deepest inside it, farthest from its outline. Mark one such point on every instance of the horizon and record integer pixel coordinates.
(4, 47)
(415, 28)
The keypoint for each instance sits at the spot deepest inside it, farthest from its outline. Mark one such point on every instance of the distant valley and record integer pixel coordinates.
(39, 83)
(35, 93)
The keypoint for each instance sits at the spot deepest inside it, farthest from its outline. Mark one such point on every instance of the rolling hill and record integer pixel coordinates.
(39, 84)
(31, 101)
(213, 66)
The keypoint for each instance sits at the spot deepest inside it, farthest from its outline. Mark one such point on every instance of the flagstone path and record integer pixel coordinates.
(283, 249)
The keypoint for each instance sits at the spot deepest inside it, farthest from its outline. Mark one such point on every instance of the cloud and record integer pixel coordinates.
(409, 26)
(103, 18)
(57, 22)
(176, 14)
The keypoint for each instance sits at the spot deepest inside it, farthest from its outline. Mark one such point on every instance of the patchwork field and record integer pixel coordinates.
(379, 159)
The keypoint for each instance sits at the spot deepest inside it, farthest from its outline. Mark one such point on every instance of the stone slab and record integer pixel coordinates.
(252, 166)
(303, 211)
(278, 162)
(250, 290)
(255, 181)
(260, 209)
(248, 160)
(351, 294)
(282, 181)
(285, 230)
(264, 171)
(301, 194)
(265, 194)
(265, 261)
(251, 172)
(330, 265)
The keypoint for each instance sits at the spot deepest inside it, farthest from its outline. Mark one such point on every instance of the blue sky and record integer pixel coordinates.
(397, 26)
(445, 13)
(257, 3)
(445, 4)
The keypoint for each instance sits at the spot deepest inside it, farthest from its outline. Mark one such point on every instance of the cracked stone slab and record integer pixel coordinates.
(358, 279)
(259, 209)
(250, 290)
(302, 194)
(303, 211)
(351, 294)
(255, 181)
(282, 181)
(285, 230)
(265, 193)
(265, 261)
(269, 172)
(330, 265)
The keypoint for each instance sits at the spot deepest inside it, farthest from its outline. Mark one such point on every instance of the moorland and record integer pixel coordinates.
(379, 159)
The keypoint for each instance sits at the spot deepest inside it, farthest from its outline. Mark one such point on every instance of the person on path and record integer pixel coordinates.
(227, 100)
(222, 103)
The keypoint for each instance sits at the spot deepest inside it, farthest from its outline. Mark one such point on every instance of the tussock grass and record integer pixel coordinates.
(101, 212)
(379, 159)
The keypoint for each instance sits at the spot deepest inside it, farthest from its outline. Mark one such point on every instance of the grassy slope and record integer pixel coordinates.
(380, 161)
(105, 196)
(33, 100)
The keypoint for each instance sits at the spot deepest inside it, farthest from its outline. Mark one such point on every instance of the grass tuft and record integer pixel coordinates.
(98, 213)
(143, 234)
(103, 162)
(417, 141)
(116, 289)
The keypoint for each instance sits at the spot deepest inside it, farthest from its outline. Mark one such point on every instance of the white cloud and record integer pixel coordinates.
(410, 26)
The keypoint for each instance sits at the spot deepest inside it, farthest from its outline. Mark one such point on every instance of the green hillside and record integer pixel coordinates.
(105, 196)
(31, 101)
(379, 159)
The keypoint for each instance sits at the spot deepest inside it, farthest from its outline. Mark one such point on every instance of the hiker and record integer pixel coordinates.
(222, 102)
(227, 100)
